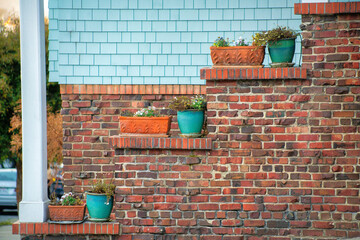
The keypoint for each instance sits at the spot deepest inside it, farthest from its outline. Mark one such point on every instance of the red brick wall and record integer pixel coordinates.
(285, 160)
(290, 153)
(89, 120)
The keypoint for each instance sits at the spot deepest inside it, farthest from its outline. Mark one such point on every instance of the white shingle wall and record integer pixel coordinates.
(151, 41)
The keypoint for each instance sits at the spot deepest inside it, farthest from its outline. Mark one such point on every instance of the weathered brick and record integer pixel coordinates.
(81, 104)
(337, 57)
(254, 223)
(277, 224)
(324, 34)
(284, 158)
(349, 33)
(337, 41)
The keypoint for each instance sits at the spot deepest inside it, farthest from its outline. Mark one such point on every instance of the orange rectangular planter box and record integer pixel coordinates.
(145, 125)
(245, 56)
(66, 213)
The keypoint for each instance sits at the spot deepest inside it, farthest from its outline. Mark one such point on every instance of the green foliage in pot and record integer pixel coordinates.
(240, 42)
(68, 199)
(103, 188)
(185, 103)
(150, 111)
(273, 35)
(222, 42)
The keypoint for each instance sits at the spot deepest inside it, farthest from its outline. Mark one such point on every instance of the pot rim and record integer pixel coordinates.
(97, 194)
(239, 47)
(283, 39)
(83, 205)
(192, 110)
(145, 118)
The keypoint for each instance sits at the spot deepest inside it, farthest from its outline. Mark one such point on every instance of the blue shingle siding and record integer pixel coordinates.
(151, 41)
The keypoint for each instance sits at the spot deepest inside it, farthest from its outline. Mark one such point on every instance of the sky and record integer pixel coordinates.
(13, 6)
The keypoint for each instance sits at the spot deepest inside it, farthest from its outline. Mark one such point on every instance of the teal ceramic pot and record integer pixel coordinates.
(282, 50)
(99, 206)
(190, 122)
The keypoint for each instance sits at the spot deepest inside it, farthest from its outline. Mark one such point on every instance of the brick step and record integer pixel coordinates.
(86, 228)
(160, 143)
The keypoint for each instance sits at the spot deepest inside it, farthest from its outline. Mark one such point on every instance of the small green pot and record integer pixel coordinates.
(282, 51)
(190, 122)
(99, 207)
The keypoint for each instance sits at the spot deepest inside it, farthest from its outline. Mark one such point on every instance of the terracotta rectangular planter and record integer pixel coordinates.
(245, 56)
(145, 125)
(66, 213)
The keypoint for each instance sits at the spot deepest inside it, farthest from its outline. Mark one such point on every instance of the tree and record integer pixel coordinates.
(10, 81)
(54, 142)
(10, 95)
(10, 91)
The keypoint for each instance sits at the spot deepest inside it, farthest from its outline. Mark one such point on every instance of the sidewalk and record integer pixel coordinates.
(6, 233)
(6, 230)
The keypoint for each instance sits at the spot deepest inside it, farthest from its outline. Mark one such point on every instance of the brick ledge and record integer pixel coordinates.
(327, 8)
(132, 89)
(253, 73)
(160, 143)
(86, 228)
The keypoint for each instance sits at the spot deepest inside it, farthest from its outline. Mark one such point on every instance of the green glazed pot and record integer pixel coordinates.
(190, 122)
(282, 50)
(99, 207)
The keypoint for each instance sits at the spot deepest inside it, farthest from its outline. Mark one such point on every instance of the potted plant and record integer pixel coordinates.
(99, 201)
(236, 54)
(281, 45)
(69, 208)
(190, 114)
(145, 121)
